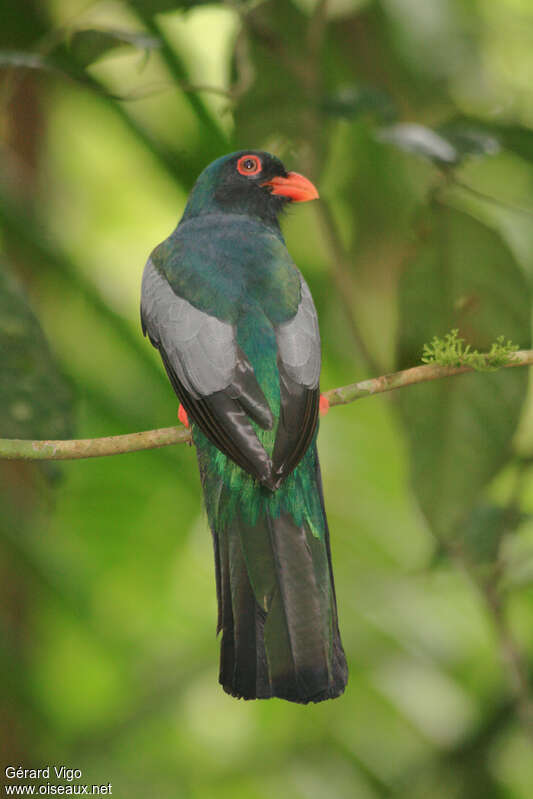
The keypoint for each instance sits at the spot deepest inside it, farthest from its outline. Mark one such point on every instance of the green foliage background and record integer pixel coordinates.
(415, 119)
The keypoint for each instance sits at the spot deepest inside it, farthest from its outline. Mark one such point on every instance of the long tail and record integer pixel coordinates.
(276, 600)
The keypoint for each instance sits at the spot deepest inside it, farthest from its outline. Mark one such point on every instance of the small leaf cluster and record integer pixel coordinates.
(452, 350)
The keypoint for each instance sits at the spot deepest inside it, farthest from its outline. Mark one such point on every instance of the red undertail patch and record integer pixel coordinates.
(182, 416)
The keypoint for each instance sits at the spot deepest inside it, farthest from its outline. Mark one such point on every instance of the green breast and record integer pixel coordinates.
(228, 264)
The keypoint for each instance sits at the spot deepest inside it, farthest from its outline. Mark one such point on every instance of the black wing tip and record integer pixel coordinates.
(293, 441)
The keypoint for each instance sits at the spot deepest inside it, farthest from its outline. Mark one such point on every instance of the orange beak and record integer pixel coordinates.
(294, 186)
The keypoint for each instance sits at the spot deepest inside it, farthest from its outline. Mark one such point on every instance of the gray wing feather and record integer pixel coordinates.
(202, 349)
(299, 342)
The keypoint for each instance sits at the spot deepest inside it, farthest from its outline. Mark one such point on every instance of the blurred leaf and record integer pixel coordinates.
(420, 140)
(459, 430)
(352, 101)
(35, 398)
(273, 106)
(23, 29)
(469, 139)
(22, 60)
(519, 571)
(473, 133)
(183, 168)
(91, 44)
(484, 530)
(153, 7)
(213, 141)
(516, 138)
(59, 62)
(368, 45)
(27, 237)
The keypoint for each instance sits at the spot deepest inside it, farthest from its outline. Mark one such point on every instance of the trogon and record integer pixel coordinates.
(236, 328)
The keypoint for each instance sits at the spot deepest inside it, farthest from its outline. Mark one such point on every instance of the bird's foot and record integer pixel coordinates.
(182, 416)
(323, 407)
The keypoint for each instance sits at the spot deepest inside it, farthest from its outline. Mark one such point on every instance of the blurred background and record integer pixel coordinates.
(415, 120)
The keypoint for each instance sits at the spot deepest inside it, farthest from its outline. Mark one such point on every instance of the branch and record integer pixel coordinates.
(513, 658)
(490, 199)
(21, 449)
(409, 377)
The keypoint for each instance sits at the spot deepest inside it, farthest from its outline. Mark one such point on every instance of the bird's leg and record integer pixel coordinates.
(323, 407)
(184, 419)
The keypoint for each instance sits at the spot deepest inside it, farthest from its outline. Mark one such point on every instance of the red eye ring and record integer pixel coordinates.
(249, 165)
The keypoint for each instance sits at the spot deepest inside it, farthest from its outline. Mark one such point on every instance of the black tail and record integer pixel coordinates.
(277, 610)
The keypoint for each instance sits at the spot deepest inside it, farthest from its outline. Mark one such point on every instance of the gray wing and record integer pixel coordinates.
(209, 372)
(201, 348)
(299, 363)
(299, 342)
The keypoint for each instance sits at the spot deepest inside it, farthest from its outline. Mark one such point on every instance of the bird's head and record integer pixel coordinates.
(248, 182)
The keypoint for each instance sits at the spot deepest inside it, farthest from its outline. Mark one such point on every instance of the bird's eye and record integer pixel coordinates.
(249, 165)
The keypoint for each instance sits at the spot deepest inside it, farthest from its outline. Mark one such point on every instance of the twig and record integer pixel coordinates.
(20, 449)
(488, 583)
(512, 657)
(244, 67)
(63, 450)
(409, 377)
(153, 89)
(317, 29)
(177, 69)
(519, 209)
(258, 29)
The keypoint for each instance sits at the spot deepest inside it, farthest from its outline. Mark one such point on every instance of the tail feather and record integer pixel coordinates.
(297, 626)
(277, 609)
(244, 666)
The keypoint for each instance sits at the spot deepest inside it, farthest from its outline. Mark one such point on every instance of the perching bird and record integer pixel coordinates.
(237, 330)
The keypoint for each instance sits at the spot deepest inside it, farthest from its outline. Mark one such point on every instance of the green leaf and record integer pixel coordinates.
(153, 7)
(59, 62)
(420, 140)
(353, 101)
(462, 277)
(85, 46)
(484, 529)
(472, 135)
(518, 139)
(277, 103)
(448, 145)
(89, 45)
(17, 59)
(470, 139)
(35, 399)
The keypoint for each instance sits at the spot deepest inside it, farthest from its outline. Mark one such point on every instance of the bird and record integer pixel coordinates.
(236, 328)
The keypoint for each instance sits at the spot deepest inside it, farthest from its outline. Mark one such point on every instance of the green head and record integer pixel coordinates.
(248, 182)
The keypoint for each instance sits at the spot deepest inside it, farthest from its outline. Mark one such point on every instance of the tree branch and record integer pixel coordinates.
(409, 377)
(21, 449)
(514, 661)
